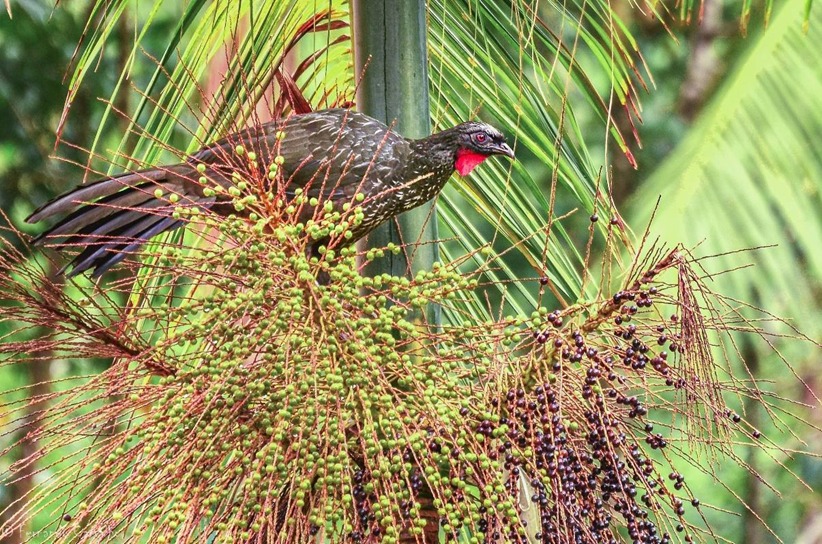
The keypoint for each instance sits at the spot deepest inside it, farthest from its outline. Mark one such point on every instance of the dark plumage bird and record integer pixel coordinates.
(331, 155)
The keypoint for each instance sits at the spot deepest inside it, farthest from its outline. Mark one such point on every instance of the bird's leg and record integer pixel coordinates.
(313, 250)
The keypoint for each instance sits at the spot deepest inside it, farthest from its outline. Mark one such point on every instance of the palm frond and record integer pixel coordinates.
(250, 38)
(749, 174)
(510, 64)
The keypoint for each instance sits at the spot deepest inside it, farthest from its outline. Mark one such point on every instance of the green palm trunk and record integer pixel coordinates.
(390, 54)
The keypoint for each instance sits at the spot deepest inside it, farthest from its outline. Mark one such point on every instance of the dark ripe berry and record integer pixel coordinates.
(594, 218)
(558, 322)
(543, 280)
(695, 502)
(736, 418)
(756, 434)
(66, 517)
(591, 353)
(614, 220)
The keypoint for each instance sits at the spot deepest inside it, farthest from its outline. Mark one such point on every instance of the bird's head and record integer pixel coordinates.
(476, 142)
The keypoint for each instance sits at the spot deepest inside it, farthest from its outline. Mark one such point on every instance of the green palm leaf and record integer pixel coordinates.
(507, 63)
(749, 174)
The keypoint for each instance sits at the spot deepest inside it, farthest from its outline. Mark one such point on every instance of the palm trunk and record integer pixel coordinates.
(390, 54)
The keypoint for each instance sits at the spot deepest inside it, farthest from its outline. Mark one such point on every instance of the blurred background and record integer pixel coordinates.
(728, 153)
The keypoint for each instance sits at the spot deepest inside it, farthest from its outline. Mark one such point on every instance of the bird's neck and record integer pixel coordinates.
(424, 171)
(438, 150)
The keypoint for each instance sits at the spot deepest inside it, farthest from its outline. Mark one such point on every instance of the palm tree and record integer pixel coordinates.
(533, 70)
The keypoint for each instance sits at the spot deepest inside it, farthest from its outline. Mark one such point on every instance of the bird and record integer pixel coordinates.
(336, 155)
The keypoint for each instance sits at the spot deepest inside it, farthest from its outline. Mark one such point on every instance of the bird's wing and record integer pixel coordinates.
(328, 154)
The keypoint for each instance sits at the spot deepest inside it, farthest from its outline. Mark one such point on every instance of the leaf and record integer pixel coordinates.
(505, 61)
(749, 174)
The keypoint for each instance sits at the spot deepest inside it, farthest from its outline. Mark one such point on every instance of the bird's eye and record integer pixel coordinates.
(480, 138)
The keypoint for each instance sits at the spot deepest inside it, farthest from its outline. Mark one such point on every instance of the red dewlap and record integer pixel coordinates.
(467, 160)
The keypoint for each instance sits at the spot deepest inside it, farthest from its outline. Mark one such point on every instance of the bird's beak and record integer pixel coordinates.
(505, 149)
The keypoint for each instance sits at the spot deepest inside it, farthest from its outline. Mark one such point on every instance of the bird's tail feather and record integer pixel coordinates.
(91, 192)
(113, 217)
